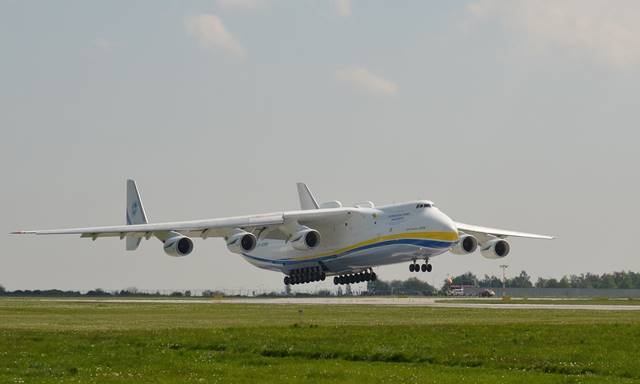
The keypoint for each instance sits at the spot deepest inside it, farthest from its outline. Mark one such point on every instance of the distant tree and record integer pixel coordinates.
(378, 287)
(564, 282)
(176, 294)
(521, 281)
(2, 290)
(98, 292)
(414, 286)
(348, 291)
(490, 282)
(411, 286)
(607, 281)
(465, 279)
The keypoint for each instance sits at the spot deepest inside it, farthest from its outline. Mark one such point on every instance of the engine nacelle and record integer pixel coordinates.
(305, 239)
(466, 244)
(242, 242)
(495, 249)
(178, 246)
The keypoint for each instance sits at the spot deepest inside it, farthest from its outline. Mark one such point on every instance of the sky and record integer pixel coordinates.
(513, 114)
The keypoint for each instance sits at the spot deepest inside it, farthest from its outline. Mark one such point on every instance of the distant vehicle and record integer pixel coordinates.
(487, 293)
(320, 239)
(458, 290)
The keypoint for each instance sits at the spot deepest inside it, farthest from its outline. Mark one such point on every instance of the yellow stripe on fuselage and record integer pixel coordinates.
(437, 236)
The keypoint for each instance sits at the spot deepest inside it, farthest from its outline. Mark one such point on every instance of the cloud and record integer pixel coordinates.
(242, 4)
(342, 7)
(210, 31)
(607, 31)
(361, 78)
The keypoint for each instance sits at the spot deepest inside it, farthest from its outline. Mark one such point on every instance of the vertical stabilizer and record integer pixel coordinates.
(135, 213)
(307, 201)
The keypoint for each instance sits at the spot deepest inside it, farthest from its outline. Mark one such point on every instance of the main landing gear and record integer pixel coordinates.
(355, 278)
(415, 267)
(304, 275)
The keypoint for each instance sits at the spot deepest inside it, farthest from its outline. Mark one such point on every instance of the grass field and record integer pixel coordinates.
(107, 342)
(519, 300)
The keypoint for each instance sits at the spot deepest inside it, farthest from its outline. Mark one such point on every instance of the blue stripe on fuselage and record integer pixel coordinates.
(417, 242)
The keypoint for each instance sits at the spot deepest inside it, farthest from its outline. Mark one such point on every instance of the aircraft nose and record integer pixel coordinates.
(448, 225)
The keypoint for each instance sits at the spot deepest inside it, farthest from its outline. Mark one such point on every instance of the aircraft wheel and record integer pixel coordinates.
(411, 267)
(429, 267)
(323, 276)
(424, 267)
(287, 280)
(374, 277)
(335, 280)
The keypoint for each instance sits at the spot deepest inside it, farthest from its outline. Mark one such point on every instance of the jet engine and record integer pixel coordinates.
(178, 246)
(495, 249)
(305, 239)
(242, 242)
(467, 244)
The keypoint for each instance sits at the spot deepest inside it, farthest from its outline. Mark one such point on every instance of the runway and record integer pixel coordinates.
(381, 301)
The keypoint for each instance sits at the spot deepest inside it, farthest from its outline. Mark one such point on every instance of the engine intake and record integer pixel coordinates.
(242, 242)
(495, 249)
(305, 239)
(178, 246)
(467, 244)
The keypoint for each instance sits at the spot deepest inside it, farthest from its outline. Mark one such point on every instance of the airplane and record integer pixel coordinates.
(319, 240)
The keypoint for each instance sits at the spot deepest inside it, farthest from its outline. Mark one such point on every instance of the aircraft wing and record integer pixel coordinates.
(483, 232)
(220, 227)
(205, 228)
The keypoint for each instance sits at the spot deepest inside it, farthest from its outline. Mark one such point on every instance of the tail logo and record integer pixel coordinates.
(134, 208)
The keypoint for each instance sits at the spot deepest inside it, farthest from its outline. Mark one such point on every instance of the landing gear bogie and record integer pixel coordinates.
(305, 275)
(354, 278)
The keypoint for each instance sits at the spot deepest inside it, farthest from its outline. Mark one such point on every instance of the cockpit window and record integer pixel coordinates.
(423, 206)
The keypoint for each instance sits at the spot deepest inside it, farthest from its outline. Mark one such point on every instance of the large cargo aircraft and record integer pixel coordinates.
(319, 240)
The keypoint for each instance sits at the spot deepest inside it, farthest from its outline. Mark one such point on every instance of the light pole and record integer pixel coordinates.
(504, 275)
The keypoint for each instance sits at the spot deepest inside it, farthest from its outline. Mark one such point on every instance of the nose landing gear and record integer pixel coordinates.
(415, 267)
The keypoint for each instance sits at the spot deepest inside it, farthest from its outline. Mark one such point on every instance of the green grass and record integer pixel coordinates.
(517, 300)
(109, 342)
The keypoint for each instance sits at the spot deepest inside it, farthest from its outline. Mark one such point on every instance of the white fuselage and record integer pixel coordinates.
(368, 237)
